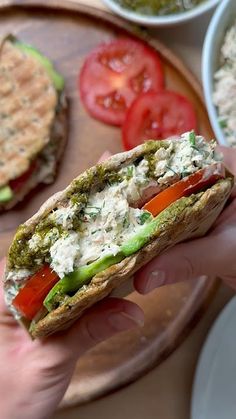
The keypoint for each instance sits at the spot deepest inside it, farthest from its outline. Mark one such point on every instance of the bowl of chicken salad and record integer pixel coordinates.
(219, 72)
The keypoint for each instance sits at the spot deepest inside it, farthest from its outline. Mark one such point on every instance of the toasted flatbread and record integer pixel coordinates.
(187, 218)
(58, 137)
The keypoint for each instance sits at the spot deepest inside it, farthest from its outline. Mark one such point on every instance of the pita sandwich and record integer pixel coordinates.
(32, 120)
(110, 221)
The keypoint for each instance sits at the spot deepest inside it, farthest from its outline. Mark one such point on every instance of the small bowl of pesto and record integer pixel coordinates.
(160, 12)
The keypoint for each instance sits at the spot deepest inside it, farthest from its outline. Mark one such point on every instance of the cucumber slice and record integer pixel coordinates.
(57, 79)
(6, 194)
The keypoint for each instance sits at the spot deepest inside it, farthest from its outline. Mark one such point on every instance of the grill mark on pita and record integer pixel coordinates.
(58, 138)
(27, 109)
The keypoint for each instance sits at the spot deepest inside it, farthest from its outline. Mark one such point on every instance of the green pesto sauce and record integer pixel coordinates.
(159, 7)
(99, 176)
(19, 255)
(150, 148)
(46, 225)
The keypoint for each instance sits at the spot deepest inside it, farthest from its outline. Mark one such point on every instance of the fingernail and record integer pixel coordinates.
(156, 279)
(104, 156)
(124, 321)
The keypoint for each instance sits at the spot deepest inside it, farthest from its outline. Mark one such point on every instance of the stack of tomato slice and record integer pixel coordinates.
(122, 83)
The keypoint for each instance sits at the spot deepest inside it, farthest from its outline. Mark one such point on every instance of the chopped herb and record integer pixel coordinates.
(95, 231)
(144, 217)
(97, 208)
(223, 123)
(192, 138)
(126, 222)
(108, 229)
(195, 148)
(172, 170)
(184, 173)
(129, 172)
(92, 215)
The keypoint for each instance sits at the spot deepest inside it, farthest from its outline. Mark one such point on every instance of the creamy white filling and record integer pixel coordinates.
(64, 216)
(37, 240)
(64, 253)
(9, 295)
(187, 158)
(15, 279)
(18, 274)
(115, 221)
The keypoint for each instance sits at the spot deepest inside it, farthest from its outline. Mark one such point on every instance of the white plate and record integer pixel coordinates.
(214, 390)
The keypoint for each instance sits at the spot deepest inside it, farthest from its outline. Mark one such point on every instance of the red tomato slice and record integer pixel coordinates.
(157, 115)
(16, 184)
(30, 298)
(114, 74)
(191, 184)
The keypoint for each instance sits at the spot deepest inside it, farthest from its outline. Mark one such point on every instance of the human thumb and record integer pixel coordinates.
(184, 261)
(105, 319)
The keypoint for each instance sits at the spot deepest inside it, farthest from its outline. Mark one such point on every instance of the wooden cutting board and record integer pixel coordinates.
(67, 31)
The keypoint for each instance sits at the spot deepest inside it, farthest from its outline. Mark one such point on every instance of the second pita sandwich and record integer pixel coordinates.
(33, 120)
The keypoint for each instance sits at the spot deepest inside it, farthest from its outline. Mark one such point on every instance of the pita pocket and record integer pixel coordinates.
(110, 221)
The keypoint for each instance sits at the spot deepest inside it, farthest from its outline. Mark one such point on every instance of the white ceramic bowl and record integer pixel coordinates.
(222, 19)
(167, 20)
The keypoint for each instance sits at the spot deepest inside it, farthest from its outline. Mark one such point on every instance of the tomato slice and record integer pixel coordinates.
(16, 184)
(114, 74)
(157, 115)
(30, 298)
(191, 184)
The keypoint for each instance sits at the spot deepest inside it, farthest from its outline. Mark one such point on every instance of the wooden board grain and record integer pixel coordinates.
(67, 31)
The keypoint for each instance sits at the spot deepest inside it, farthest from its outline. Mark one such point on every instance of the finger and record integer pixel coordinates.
(104, 320)
(185, 261)
(228, 216)
(229, 155)
(104, 156)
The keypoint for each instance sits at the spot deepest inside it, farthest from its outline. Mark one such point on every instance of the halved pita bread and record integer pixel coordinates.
(59, 139)
(188, 217)
(33, 117)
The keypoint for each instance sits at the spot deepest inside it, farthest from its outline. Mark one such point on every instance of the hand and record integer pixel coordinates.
(35, 374)
(212, 255)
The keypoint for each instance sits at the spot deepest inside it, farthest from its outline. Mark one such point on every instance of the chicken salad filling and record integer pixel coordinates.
(225, 87)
